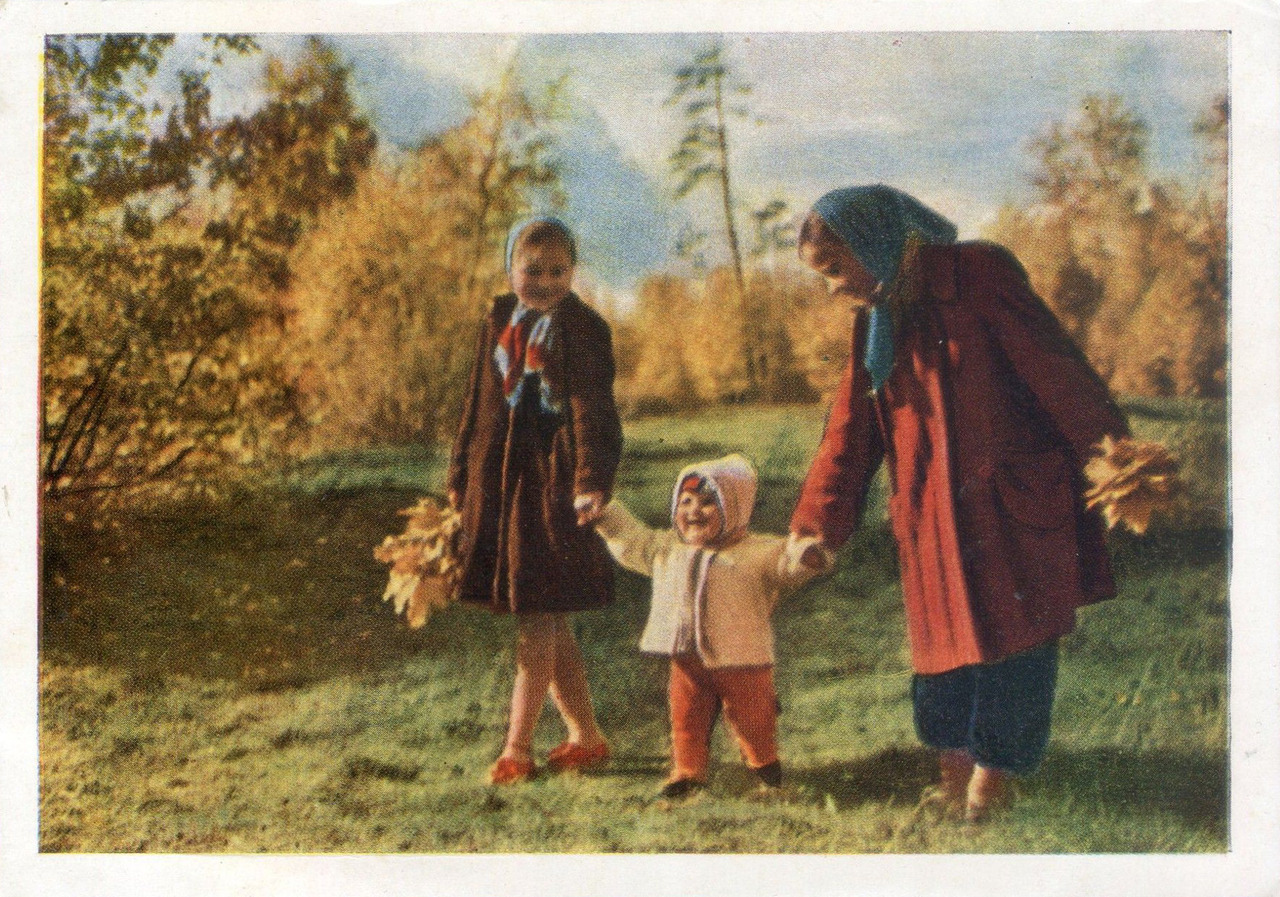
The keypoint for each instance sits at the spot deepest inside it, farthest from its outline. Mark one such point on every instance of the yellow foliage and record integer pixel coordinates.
(1131, 481)
(393, 285)
(423, 560)
(1135, 268)
(697, 342)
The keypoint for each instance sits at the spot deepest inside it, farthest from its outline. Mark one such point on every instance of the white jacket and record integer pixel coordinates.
(737, 587)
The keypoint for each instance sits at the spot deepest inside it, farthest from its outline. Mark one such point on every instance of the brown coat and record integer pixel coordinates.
(985, 422)
(516, 471)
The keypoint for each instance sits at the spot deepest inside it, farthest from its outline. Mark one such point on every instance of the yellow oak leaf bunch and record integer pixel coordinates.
(424, 562)
(1131, 481)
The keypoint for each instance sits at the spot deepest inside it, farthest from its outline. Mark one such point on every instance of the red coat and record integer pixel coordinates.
(985, 422)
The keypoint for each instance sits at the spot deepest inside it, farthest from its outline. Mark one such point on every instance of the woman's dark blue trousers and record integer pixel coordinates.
(998, 712)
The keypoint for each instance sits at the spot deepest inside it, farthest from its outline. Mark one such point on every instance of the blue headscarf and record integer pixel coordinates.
(875, 222)
(519, 227)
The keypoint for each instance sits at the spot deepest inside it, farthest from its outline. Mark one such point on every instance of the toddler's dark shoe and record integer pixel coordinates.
(770, 774)
(681, 788)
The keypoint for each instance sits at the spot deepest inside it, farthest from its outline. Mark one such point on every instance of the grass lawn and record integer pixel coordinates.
(229, 681)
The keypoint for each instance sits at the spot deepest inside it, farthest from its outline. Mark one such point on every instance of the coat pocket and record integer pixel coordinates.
(1036, 489)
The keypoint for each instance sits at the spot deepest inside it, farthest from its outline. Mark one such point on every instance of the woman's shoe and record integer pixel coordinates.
(572, 755)
(509, 770)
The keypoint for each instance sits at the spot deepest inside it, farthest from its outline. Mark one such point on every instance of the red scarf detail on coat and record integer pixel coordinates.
(519, 353)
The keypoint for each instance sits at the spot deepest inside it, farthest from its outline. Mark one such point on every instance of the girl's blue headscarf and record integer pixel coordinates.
(875, 222)
(518, 228)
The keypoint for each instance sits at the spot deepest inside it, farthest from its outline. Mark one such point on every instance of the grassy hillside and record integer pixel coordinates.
(227, 680)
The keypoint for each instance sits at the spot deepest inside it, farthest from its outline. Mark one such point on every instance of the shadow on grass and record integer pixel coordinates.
(1142, 556)
(1121, 781)
(1140, 783)
(276, 592)
(633, 766)
(893, 776)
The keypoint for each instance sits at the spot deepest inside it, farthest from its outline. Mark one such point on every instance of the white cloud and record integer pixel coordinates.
(474, 60)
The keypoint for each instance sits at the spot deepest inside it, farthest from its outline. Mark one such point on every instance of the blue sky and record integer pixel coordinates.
(946, 116)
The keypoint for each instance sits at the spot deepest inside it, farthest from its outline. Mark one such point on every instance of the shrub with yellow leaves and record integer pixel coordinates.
(1131, 481)
(424, 562)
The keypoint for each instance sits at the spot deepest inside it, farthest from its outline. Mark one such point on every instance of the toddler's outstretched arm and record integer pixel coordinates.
(632, 544)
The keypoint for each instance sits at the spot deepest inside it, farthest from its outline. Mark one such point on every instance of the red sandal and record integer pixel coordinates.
(572, 755)
(509, 770)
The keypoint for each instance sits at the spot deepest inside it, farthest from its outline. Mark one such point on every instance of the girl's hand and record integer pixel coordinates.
(453, 499)
(589, 507)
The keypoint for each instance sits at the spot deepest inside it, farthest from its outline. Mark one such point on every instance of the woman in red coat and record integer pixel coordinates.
(964, 383)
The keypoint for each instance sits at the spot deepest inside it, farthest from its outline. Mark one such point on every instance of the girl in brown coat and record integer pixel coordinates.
(532, 466)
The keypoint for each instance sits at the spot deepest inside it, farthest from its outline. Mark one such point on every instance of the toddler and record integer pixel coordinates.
(714, 588)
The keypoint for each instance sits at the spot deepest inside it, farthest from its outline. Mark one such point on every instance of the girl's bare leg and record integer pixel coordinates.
(535, 667)
(569, 688)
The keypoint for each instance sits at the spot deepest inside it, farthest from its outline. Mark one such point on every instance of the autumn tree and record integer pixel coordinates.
(1092, 174)
(1211, 239)
(392, 284)
(661, 379)
(493, 165)
(774, 228)
(1124, 259)
(137, 321)
(159, 369)
(301, 151)
(689, 341)
(704, 89)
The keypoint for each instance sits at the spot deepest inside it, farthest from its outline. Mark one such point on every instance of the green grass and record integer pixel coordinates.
(229, 681)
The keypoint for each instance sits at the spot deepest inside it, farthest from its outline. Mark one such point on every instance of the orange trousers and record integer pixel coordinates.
(697, 694)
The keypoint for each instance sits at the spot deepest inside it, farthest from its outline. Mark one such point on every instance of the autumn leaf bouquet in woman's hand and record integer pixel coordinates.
(423, 559)
(1130, 481)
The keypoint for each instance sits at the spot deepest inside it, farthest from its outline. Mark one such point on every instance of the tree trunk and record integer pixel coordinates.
(750, 340)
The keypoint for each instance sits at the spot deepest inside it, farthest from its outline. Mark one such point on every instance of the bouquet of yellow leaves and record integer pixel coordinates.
(424, 562)
(1131, 481)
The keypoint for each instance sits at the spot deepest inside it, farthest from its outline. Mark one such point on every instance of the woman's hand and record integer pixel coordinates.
(589, 507)
(807, 552)
(453, 499)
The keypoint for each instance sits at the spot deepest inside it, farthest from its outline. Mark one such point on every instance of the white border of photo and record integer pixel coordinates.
(1251, 866)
